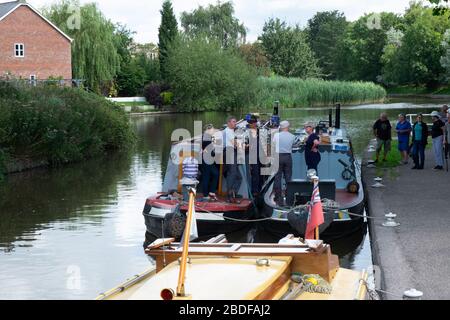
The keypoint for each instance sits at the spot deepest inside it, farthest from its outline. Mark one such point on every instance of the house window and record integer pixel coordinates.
(19, 50)
(33, 81)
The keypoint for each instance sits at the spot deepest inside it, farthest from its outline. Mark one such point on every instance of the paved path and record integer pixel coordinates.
(417, 253)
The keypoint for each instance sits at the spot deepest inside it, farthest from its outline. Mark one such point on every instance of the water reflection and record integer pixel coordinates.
(70, 232)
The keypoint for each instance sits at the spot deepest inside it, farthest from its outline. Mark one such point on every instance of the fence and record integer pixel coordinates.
(78, 83)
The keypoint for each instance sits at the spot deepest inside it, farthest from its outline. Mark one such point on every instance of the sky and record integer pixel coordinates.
(143, 16)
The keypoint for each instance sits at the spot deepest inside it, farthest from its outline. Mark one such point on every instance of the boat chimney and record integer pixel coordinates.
(276, 108)
(338, 116)
(330, 118)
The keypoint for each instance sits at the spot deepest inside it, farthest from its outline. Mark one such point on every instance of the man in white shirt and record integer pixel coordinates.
(233, 176)
(284, 142)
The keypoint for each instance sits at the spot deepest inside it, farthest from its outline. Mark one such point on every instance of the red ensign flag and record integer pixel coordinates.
(315, 217)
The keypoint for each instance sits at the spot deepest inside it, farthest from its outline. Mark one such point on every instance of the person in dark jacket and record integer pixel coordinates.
(210, 172)
(312, 154)
(382, 131)
(438, 136)
(420, 140)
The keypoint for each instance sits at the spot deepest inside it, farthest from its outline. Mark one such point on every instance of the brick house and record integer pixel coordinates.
(31, 47)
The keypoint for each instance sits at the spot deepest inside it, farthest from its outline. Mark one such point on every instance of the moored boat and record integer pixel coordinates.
(340, 187)
(214, 217)
(290, 270)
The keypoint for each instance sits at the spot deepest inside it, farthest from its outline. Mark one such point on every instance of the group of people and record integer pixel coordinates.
(226, 151)
(413, 138)
(243, 158)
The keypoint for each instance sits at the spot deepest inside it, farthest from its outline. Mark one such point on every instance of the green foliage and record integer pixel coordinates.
(361, 49)
(94, 49)
(216, 23)
(294, 92)
(255, 56)
(131, 79)
(204, 76)
(168, 32)
(2, 163)
(167, 98)
(440, 7)
(417, 58)
(59, 124)
(288, 51)
(325, 31)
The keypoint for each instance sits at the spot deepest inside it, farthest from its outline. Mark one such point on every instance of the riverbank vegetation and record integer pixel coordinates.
(296, 92)
(409, 50)
(205, 77)
(58, 125)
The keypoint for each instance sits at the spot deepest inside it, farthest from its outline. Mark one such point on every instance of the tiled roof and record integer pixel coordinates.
(7, 7)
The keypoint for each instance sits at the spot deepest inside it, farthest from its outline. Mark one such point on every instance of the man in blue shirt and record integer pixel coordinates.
(420, 140)
(403, 131)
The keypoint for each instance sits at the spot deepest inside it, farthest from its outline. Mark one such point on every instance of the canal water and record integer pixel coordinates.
(76, 231)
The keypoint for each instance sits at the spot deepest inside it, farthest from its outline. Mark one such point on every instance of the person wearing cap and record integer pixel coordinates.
(403, 129)
(419, 140)
(283, 142)
(382, 130)
(443, 114)
(312, 154)
(253, 149)
(437, 133)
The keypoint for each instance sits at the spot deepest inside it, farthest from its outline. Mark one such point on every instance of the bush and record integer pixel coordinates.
(203, 76)
(152, 93)
(167, 98)
(60, 124)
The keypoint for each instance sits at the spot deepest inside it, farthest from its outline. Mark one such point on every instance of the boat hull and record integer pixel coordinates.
(208, 224)
(338, 228)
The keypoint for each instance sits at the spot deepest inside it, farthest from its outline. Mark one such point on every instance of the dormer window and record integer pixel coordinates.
(19, 50)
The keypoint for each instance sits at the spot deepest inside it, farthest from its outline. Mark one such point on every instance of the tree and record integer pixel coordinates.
(359, 54)
(440, 7)
(131, 79)
(215, 22)
(325, 31)
(389, 58)
(445, 59)
(287, 50)
(417, 60)
(94, 52)
(204, 76)
(168, 32)
(254, 55)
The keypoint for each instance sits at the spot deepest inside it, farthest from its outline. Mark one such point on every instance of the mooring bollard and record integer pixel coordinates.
(390, 222)
(412, 294)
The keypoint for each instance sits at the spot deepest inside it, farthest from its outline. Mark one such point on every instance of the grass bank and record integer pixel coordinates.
(293, 92)
(58, 125)
(420, 90)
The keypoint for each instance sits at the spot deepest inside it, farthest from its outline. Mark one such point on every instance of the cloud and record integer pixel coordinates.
(143, 16)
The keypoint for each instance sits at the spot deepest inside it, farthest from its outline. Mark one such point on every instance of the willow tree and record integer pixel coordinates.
(94, 53)
(216, 23)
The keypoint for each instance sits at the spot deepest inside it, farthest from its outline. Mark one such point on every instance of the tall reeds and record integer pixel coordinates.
(295, 93)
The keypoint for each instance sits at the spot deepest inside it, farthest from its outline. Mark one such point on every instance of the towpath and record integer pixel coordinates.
(417, 253)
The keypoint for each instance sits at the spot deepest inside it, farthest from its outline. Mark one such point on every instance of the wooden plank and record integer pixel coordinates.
(219, 239)
(160, 243)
